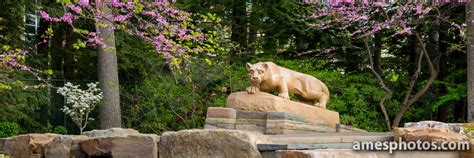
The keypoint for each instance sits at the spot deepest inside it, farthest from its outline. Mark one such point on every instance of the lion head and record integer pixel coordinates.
(257, 72)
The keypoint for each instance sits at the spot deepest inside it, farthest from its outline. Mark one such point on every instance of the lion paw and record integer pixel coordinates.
(284, 95)
(252, 89)
(319, 105)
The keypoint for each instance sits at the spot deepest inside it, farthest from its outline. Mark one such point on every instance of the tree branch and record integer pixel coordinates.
(423, 89)
(381, 82)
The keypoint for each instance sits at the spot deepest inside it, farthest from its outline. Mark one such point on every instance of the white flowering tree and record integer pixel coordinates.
(81, 102)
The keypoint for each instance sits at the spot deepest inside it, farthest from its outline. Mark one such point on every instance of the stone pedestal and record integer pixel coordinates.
(262, 122)
(265, 102)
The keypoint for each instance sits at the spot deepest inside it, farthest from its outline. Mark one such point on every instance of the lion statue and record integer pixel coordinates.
(269, 76)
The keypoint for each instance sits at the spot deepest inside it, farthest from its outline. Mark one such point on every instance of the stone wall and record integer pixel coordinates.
(128, 143)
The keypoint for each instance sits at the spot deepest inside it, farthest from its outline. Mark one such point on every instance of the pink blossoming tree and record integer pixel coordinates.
(363, 20)
(172, 33)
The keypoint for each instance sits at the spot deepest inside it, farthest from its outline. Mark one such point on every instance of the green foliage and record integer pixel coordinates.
(454, 94)
(12, 22)
(8, 129)
(60, 130)
(157, 98)
(22, 107)
(57, 129)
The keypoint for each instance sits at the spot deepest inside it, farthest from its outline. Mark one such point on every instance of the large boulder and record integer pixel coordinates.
(111, 132)
(27, 146)
(265, 102)
(427, 124)
(2, 143)
(65, 146)
(211, 143)
(427, 134)
(349, 153)
(468, 153)
(129, 146)
(452, 127)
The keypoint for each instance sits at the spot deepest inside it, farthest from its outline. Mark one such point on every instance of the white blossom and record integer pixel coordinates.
(81, 102)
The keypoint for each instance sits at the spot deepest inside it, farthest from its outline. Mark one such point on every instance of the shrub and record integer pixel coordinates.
(60, 130)
(8, 129)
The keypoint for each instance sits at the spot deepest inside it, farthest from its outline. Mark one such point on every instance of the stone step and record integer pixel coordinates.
(349, 153)
(275, 147)
(322, 138)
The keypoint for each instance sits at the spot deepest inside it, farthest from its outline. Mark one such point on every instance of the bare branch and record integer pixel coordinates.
(423, 89)
(381, 82)
(413, 80)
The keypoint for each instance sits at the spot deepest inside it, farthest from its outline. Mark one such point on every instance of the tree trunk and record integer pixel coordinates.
(253, 30)
(459, 111)
(110, 115)
(378, 54)
(56, 61)
(239, 23)
(43, 50)
(470, 60)
(442, 114)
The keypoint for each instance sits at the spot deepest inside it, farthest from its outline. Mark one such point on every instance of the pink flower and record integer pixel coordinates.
(44, 15)
(121, 18)
(95, 41)
(129, 5)
(76, 9)
(116, 4)
(93, 34)
(405, 30)
(23, 52)
(83, 3)
(167, 55)
(377, 27)
(67, 18)
(150, 13)
(420, 10)
(182, 33)
(25, 68)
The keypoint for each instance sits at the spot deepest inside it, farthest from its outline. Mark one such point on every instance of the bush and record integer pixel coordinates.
(60, 130)
(8, 129)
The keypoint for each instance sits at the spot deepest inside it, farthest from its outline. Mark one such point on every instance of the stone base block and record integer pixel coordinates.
(259, 122)
(262, 122)
(346, 128)
(215, 121)
(265, 102)
(218, 112)
(294, 127)
(255, 128)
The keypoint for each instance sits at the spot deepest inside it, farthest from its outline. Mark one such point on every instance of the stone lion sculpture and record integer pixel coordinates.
(269, 76)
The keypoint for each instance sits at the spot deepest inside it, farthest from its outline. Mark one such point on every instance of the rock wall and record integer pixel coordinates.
(129, 143)
(211, 143)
